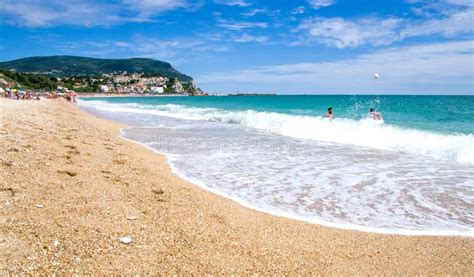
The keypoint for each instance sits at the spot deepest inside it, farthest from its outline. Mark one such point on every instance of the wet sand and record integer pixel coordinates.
(70, 188)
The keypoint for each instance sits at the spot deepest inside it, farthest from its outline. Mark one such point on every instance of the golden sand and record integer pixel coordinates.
(71, 188)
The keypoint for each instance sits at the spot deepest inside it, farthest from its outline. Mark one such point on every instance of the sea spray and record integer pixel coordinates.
(363, 132)
(345, 173)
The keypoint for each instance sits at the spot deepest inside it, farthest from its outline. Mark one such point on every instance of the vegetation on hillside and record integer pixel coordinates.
(33, 81)
(63, 66)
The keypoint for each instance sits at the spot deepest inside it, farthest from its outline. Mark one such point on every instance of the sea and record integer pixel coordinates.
(412, 174)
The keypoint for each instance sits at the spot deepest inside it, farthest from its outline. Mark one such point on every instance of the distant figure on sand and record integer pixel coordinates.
(329, 113)
(374, 114)
(71, 96)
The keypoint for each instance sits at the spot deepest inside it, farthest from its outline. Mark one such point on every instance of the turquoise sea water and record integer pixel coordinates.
(446, 114)
(411, 174)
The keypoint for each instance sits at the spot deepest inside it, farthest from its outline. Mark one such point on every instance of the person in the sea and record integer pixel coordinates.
(374, 114)
(329, 114)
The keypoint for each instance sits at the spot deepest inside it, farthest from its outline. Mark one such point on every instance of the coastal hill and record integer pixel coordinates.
(63, 66)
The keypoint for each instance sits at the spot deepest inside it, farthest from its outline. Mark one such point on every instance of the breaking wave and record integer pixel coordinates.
(365, 132)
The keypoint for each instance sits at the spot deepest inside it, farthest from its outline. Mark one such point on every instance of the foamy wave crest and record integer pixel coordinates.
(367, 133)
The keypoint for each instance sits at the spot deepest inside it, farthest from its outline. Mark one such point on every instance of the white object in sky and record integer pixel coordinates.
(376, 76)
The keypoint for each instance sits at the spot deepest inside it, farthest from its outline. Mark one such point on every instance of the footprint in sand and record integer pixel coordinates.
(67, 172)
(7, 192)
(73, 150)
(119, 161)
(159, 194)
(108, 146)
(7, 163)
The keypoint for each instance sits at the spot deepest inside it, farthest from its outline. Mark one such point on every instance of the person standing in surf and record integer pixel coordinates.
(329, 114)
(374, 114)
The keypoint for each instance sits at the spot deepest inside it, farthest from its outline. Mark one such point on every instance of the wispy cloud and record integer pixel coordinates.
(46, 13)
(343, 33)
(433, 68)
(240, 25)
(452, 21)
(452, 18)
(239, 37)
(316, 4)
(250, 38)
(240, 3)
(148, 8)
(298, 10)
(176, 51)
(42, 13)
(254, 12)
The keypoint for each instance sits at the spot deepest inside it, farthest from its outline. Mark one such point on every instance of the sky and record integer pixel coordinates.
(273, 46)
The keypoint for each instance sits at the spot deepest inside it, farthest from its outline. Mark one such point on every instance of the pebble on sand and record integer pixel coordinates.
(125, 240)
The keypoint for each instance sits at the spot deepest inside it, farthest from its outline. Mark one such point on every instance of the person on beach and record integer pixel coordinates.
(374, 114)
(71, 97)
(329, 114)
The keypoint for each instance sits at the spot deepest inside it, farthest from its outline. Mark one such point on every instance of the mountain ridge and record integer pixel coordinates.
(64, 66)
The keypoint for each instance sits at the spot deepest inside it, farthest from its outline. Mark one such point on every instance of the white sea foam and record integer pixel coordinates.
(332, 183)
(367, 133)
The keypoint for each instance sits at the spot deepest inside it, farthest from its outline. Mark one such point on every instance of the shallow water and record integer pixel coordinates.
(297, 169)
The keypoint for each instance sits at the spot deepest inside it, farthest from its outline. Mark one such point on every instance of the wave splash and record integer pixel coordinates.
(365, 132)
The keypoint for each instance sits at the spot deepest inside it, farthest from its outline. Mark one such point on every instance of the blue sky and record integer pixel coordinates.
(298, 46)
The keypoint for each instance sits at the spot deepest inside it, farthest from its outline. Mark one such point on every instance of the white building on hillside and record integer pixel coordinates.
(104, 88)
(157, 89)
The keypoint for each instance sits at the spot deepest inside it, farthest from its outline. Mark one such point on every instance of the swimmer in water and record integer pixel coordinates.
(329, 113)
(374, 114)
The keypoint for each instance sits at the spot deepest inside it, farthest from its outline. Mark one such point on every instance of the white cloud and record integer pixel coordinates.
(438, 19)
(42, 13)
(176, 51)
(467, 3)
(254, 12)
(45, 13)
(240, 25)
(240, 3)
(298, 10)
(454, 23)
(250, 38)
(147, 8)
(445, 68)
(343, 33)
(316, 4)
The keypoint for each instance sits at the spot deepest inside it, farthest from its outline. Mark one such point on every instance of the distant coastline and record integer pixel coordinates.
(251, 94)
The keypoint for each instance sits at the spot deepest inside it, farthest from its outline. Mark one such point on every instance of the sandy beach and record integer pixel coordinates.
(71, 188)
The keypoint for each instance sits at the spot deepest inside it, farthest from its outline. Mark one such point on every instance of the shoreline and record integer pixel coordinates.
(181, 227)
(346, 227)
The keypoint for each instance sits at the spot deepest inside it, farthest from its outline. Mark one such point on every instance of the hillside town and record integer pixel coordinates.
(112, 83)
(140, 83)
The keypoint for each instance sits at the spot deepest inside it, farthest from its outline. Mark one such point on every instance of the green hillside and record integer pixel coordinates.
(83, 66)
